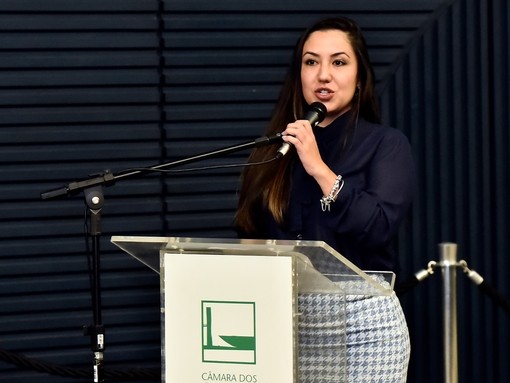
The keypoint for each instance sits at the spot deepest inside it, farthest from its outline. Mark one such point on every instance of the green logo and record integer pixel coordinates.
(228, 332)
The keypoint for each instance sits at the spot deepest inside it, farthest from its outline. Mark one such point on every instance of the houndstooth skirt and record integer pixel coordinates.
(352, 339)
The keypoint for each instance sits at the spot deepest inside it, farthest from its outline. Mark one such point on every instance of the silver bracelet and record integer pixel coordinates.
(333, 194)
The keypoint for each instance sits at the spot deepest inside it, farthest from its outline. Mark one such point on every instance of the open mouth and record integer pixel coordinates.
(324, 94)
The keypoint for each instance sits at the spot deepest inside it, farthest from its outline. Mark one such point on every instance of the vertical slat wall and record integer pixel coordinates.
(498, 27)
(449, 93)
(90, 85)
(78, 95)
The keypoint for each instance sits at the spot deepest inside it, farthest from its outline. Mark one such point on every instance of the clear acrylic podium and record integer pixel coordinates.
(309, 267)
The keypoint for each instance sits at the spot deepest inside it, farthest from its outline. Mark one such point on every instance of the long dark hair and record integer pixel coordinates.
(268, 186)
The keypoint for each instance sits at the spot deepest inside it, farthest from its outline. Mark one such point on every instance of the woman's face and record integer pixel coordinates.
(329, 72)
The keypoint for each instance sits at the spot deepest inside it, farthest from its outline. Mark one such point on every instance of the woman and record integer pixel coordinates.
(347, 182)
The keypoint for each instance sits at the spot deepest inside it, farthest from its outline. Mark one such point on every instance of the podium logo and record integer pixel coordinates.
(228, 332)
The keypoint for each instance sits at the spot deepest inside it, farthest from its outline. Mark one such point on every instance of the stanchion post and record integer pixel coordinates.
(448, 263)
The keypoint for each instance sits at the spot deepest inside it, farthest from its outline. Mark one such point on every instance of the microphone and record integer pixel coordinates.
(315, 114)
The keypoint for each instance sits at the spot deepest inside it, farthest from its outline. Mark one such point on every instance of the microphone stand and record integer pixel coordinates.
(94, 199)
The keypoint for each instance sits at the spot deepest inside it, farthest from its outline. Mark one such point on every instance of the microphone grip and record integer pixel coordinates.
(315, 114)
(283, 150)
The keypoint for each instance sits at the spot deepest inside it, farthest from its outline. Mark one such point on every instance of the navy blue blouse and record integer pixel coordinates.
(376, 163)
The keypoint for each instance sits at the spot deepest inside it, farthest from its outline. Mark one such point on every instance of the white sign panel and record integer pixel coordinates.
(228, 319)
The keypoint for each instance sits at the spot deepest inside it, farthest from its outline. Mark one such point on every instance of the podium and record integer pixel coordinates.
(231, 310)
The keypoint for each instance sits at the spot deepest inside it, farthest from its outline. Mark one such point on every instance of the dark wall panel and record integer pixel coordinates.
(451, 87)
(78, 94)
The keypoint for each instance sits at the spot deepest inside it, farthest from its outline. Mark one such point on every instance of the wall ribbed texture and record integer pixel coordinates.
(449, 93)
(78, 95)
(91, 85)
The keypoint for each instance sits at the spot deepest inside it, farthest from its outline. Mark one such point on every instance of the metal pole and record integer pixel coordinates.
(94, 200)
(448, 263)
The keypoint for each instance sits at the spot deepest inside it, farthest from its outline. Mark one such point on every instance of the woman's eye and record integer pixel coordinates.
(338, 62)
(310, 62)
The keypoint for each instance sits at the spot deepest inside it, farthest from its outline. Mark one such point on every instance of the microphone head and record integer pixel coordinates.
(316, 113)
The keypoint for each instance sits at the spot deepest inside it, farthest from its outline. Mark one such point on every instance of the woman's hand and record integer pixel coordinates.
(300, 134)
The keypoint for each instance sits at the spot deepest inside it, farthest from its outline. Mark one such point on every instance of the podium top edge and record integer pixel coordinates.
(147, 248)
(229, 241)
